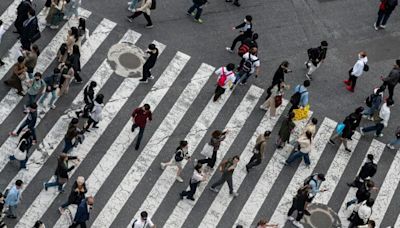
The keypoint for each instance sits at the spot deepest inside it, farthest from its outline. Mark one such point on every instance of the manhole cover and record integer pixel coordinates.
(321, 216)
(127, 59)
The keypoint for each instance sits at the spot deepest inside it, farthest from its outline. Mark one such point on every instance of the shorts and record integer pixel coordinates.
(176, 163)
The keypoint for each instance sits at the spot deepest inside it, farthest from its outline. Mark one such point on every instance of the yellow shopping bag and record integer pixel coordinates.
(301, 113)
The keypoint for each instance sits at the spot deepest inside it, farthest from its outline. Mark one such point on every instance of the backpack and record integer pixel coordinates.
(296, 97)
(243, 49)
(178, 155)
(223, 77)
(366, 68)
(248, 64)
(370, 99)
(373, 169)
(309, 179)
(313, 53)
(153, 5)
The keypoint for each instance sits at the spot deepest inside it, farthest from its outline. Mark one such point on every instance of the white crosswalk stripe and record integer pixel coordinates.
(10, 14)
(183, 209)
(397, 223)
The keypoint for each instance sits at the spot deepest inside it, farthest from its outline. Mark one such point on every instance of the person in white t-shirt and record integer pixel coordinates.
(226, 78)
(2, 31)
(249, 64)
(143, 222)
(195, 180)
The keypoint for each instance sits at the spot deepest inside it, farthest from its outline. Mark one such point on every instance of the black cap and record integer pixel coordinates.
(324, 43)
(398, 62)
(321, 176)
(152, 47)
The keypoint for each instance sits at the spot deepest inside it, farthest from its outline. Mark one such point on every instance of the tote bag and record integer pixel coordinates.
(18, 154)
(207, 150)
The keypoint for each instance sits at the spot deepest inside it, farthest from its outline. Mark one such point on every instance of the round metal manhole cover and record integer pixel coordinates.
(321, 216)
(126, 59)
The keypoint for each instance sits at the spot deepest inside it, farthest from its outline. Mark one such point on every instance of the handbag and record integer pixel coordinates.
(207, 150)
(278, 101)
(301, 113)
(18, 154)
(339, 128)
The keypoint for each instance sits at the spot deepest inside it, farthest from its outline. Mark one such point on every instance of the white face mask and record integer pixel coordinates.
(359, 56)
(245, 21)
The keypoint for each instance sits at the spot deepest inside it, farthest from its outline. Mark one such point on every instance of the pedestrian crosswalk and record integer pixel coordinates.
(216, 210)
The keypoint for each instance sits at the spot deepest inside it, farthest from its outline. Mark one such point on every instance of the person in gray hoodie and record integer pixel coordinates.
(393, 78)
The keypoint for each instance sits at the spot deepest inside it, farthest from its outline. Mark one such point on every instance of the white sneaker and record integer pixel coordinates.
(380, 135)
(361, 131)
(263, 108)
(375, 27)
(390, 146)
(229, 49)
(297, 224)
(195, 161)
(290, 218)
(129, 3)
(214, 189)
(234, 194)
(382, 26)
(179, 179)
(151, 77)
(53, 107)
(162, 165)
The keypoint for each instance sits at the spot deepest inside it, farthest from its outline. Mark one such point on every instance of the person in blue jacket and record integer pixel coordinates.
(13, 198)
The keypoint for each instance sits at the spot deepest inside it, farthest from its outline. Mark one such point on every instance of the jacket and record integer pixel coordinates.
(52, 81)
(358, 67)
(63, 169)
(145, 7)
(88, 94)
(279, 76)
(151, 61)
(393, 78)
(96, 113)
(72, 132)
(305, 144)
(304, 96)
(286, 129)
(30, 28)
(76, 197)
(246, 29)
(140, 117)
(31, 119)
(13, 196)
(82, 213)
(366, 170)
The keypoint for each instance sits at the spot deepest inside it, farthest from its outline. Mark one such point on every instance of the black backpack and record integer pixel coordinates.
(370, 99)
(153, 5)
(313, 53)
(248, 64)
(309, 179)
(179, 155)
(373, 169)
(295, 98)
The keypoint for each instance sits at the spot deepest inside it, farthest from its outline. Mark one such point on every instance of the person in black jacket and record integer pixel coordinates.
(61, 172)
(279, 76)
(150, 62)
(299, 204)
(363, 193)
(385, 9)
(316, 56)
(24, 144)
(198, 6)
(367, 171)
(75, 61)
(88, 98)
(29, 30)
(245, 32)
(392, 79)
(22, 15)
(77, 194)
(29, 122)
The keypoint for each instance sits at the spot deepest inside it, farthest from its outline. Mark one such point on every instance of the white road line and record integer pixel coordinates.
(271, 172)
(386, 191)
(235, 124)
(46, 57)
(10, 14)
(110, 110)
(196, 133)
(157, 141)
(376, 148)
(397, 223)
(222, 201)
(45, 199)
(320, 141)
(153, 98)
(336, 170)
(101, 32)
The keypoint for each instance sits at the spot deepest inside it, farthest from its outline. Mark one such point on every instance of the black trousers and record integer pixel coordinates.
(90, 122)
(210, 161)
(77, 76)
(146, 16)
(146, 71)
(254, 161)
(237, 39)
(189, 194)
(391, 90)
(218, 92)
(140, 135)
(76, 224)
(295, 207)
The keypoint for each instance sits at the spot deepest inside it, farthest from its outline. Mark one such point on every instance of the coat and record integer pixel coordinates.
(82, 213)
(145, 7)
(286, 129)
(393, 78)
(13, 196)
(63, 169)
(96, 113)
(76, 197)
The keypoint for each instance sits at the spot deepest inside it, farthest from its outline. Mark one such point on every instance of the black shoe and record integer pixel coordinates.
(77, 114)
(190, 198)
(236, 4)
(306, 212)
(348, 204)
(136, 147)
(351, 185)
(1, 63)
(181, 196)
(11, 216)
(331, 142)
(247, 169)
(86, 130)
(347, 149)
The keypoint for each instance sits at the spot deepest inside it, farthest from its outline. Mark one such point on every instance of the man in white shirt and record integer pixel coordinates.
(2, 31)
(250, 63)
(143, 222)
(384, 115)
(226, 78)
(356, 71)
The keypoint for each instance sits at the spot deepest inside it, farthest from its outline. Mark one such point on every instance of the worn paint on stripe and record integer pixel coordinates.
(336, 170)
(222, 201)
(386, 191)
(235, 124)
(320, 141)
(376, 148)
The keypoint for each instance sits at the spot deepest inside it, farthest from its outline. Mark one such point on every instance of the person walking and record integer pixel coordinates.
(180, 153)
(198, 6)
(235, 2)
(345, 130)
(298, 204)
(303, 150)
(139, 117)
(226, 78)
(30, 30)
(264, 224)
(72, 39)
(217, 137)
(384, 115)
(2, 31)
(143, 222)
(258, 150)
(54, 16)
(88, 98)
(77, 194)
(17, 76)
(71, 8)
(227, 167)
(250, 63)
(22, 150)
(61, 172)
(363, 193)
(314, 181)
(75, 61)
(13, 199)
(145, 9)
(246, 30)
(285, 130)
(31, 57)
(52, 83)
(316, 56)
(67, 73)
(392, 79)
(83, 212)
(29, 122)
(361, 214)
(373, 103)
(385, 10)
(300, 97)
(22, 15)
(35, 90)
(152, 51)
(354, 73)
(194, 181)
(279, 77)
(367, 171)
(95, 116)
(396, 141)
(72, 134)
(248, 44)
(275, 99)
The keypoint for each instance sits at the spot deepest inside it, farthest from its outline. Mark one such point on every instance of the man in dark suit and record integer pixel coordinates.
(22, 15)
(30, 30)
(82, 213)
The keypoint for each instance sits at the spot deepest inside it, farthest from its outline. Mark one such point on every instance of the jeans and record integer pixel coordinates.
(198, 9)
(22, 163)
(254, 161)
(146, 16)
(67, 145)
(140, 135)
(32, 129)
(377, 127)
(237, 39)
(395, 142)
(225, 177)
(11, 210)
(32, 99)
(298, 154)
(189, 194)
(370, 111)
(242, 75)
(133, 4)
(383, 16)
(55, 183)
(44, 96)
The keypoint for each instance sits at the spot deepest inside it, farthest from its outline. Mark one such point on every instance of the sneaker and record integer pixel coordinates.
(306, 212)
(45, 187)
(290, 218)
(179, 179)
(263, 108)
(162, 165)
(1, 63)
(347, 149)
(331, 142)
(149, 26)
(187, 13)
(309, 77)
(350, 89)
(61, 210)
(370, 118)
(297, 224)
(376, 27)
(229, 49)
(132, 10)
(79, 82)
(129, 19)
(143, 81)
(362, 131)
(214, 189)
(151, 77)
(306, 64)
(190, 198)
(53, 107)
(382, 26)
(180, 196)
(193, 14)
(236, 4)
(13, 134)
(390, 146)
(234, 194)
(380, 135)
(198, 21)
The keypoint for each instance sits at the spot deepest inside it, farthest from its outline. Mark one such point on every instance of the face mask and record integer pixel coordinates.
(245, 21)
(359, 56)
(37, 79)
